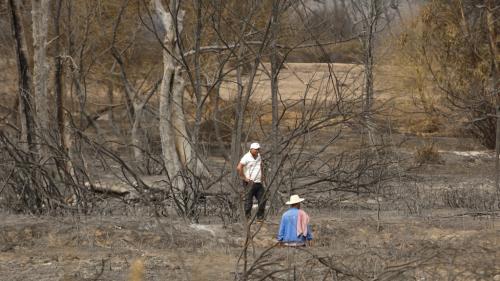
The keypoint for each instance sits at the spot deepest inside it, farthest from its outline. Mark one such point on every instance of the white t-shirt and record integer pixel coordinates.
(252, 167)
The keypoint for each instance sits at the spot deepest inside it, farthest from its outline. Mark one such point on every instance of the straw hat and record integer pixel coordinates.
(294, 199)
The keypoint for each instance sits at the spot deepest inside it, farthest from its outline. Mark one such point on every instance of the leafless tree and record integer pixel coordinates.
(492, 36)
(223, 51)
(40, 14)
(26, 109)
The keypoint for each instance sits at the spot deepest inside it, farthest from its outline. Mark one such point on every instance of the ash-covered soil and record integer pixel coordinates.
(437, 227)
(447, 246)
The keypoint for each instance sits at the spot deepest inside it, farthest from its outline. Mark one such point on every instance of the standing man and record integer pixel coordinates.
(250, 171)
(294, 227)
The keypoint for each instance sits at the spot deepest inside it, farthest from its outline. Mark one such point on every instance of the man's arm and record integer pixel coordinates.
(281, 232)
(239, 168)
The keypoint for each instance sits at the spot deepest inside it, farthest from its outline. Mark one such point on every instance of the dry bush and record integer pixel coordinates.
(447, 46)
(428, 154)
(219, 205)
(361, 261)
(428, 125)
(478, 199)
(416, 199)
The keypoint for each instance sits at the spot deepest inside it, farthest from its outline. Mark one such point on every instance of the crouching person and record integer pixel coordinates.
(295, 230)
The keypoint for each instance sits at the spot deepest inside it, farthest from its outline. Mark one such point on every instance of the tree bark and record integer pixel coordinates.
(183, 147)
(111, 100)
(369, 17)
(26, 105)
(275, 68)
(40, 11)
(170, 157)
(134, 108)
(370, 25)
(137, 136)
(239, 111)
(490, 19)
(171, 92)
(78, 165)
(58, 74)
(76, 72)
(197, 73)
(178, 150)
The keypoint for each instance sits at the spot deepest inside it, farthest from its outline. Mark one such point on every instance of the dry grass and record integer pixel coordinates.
(466, 244)
(426, 126)
(137, 270)
(428, 154)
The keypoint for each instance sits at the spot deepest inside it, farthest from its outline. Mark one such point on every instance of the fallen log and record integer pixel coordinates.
(116, 188)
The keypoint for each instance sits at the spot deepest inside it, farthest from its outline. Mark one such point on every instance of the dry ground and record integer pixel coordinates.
(103, 248)
(418, 236)
(434, 244)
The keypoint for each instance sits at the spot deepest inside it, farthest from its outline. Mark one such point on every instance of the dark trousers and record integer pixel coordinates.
(254, 190)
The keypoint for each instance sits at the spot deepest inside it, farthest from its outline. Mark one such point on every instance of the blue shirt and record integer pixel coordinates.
(288, 228)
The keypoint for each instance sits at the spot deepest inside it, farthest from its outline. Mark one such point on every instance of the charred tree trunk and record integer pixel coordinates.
(275, 68)
(30, 196)
(26, 108)
(58, 75)
(490, 19)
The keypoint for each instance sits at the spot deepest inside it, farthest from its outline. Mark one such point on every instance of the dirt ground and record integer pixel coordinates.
(404, 244)
(415, 238)
(441, 247)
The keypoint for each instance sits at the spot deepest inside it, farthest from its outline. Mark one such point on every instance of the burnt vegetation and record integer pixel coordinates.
(144, 108)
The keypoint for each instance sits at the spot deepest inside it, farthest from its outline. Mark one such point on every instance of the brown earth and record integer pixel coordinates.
(441, 247)
(418, 236)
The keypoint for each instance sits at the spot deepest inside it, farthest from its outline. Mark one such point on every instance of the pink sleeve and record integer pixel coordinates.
(302, 222)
